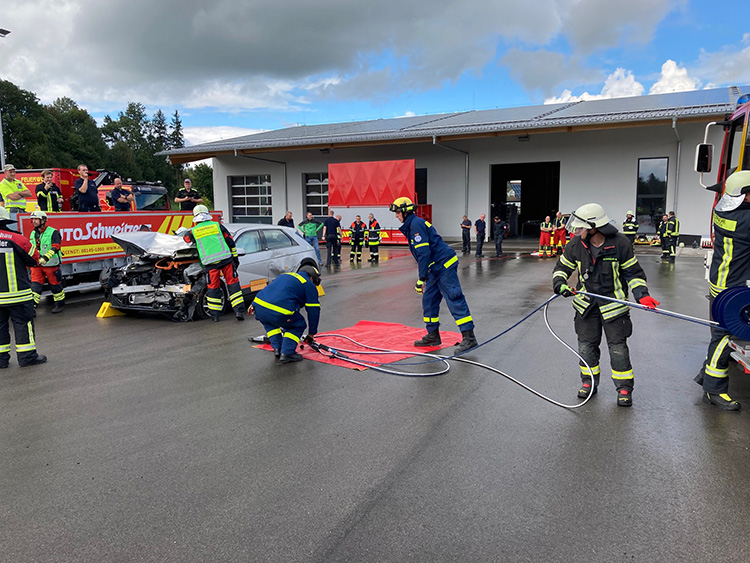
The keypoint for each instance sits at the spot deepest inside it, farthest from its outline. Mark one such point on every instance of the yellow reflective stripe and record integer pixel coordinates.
(560, 274)
(272, 307)
(715, 372)
(632, 262)
(291, 337)
(312, 304)
(300, 278)
(723, 271)
(422, 244)
(567, 262)
(636, 282)
(714, 360)
(4, 348)
(451, 261)
(615, 312)
(431, 319)
(10, 266)
(7, 298)
(622, 374)
(726, 224)
(274, 332)
(428, 223)
(715, 289)
(594, 370)
(619, 293)
(463, 321)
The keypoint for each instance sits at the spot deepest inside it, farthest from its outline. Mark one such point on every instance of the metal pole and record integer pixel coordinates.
(2, 146)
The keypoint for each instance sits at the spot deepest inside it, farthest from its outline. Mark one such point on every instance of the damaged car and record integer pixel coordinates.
(165, 275)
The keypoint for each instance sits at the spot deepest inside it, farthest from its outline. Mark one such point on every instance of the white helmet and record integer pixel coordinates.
(198, 209)
(737, 185)
(38, 214)
(589, 216)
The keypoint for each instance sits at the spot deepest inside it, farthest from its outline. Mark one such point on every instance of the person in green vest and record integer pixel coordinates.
(218, 255)
(45, 249)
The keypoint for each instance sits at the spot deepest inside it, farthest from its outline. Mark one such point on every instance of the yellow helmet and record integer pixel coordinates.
(403, 204)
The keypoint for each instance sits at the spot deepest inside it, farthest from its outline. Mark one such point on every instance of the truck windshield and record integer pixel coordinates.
(150, 202)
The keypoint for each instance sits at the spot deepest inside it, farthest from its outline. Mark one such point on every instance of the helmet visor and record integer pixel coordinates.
(576, 222)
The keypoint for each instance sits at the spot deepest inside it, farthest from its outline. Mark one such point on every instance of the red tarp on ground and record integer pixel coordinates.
(361, 184)
(392, 336)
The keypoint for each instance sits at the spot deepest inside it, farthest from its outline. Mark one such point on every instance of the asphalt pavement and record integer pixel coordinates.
(147, 440)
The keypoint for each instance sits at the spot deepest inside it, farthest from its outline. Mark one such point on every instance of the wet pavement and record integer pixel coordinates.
(145, 440)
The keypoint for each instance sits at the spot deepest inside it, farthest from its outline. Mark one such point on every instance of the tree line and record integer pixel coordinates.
(64, 135)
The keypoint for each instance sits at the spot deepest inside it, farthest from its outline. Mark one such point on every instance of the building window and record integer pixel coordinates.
(251, 198)
(316, 193)
(651, 193)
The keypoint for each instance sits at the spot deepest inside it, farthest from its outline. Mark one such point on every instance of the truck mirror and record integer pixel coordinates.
(703, 157)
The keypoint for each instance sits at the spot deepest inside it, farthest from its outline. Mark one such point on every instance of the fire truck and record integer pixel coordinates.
(735, 155)
(361, 188)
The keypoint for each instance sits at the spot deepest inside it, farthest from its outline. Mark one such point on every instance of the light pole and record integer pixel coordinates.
(3, 33)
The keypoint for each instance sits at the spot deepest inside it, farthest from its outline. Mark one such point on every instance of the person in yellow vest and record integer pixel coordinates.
(372, 237)
(45, 248)
(218, 255)
(13, 191)
(545, 238)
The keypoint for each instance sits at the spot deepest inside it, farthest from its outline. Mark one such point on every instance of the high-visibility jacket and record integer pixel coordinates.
(730, 266)
(663, 229)
(614, 271)
(7, 187)
(629, 227)
(357, 232)
(546, 225)
(558, 223)
(288, 293)
(373, 233)
(214, 243)
(673, 227)
(15, 286)
(426, 245)
(49, 244)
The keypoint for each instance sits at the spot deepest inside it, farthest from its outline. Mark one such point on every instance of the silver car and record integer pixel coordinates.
(165, 275)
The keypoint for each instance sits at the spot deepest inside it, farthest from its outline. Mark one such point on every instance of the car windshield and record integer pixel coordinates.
(150, 202)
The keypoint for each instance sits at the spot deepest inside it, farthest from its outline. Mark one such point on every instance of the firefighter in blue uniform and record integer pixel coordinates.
(438, 276)
(277, 308)
(218, 255)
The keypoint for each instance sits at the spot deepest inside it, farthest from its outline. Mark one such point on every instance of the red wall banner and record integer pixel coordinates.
(376, 183)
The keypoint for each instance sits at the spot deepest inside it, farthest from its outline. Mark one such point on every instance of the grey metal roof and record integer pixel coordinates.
(655, 107)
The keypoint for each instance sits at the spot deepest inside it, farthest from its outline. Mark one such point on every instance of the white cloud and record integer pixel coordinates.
(620, 83)
(200, 135)
(673, 79)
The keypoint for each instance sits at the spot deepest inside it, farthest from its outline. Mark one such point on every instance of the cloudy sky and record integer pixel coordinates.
(236, 66)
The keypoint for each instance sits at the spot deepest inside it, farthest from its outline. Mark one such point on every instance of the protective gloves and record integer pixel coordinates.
(649, 302)
(42, 260)
(419, 288)
(565, 290)
(309, 339)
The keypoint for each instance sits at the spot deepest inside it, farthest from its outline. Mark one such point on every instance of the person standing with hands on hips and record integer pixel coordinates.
(606, 265)
(480, 226)
(438, 277)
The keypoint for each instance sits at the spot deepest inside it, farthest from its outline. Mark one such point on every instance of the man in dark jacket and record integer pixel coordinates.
(438, 277)
(286, 220)
(500, 230)
(606, 265)
(730, 267)
(48, 194)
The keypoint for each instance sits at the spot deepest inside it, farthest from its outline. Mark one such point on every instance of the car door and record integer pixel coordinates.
(285, 252)
(256, 256)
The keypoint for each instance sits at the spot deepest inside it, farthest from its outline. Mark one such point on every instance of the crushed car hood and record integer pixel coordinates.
(142, 243)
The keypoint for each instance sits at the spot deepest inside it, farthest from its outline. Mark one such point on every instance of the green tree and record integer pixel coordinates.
(202, 176)
(77, 137)
(26, 128)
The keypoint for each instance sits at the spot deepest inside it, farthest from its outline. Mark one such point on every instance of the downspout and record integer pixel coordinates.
(466, 171)
(286, 187)
(677, 167)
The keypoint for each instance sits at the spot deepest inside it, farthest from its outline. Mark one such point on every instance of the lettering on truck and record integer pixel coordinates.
(96, 232)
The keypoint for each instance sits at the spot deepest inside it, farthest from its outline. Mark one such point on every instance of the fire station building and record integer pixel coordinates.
(635, 153)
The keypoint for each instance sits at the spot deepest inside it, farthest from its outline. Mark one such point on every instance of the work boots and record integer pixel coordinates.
(59, 306)
(289, 358)
(585, 389)
(429, 339)
(624, 397)
(469, 341)
(721, 400)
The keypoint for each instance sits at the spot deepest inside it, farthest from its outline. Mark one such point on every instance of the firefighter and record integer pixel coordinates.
(545, 238)
(663, 231)
(277, 307)
(357, 239)
(730, 267)
(46, 241)
(438, 277)
(673, 225)
(630, 227)
(606, 265)
(16, 298)
(558, 233)
(373, 238)
(218, 255)
(337, 248)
